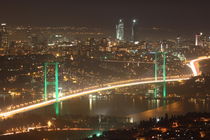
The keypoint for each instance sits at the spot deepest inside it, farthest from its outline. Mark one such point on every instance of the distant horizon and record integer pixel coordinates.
(187, 16)
(143, 33)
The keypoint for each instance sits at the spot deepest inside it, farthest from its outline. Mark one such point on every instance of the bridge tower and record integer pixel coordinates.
(163, 54)
(53, 83)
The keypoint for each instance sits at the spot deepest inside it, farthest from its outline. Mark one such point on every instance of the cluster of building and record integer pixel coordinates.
(61, 41)
(24, 49)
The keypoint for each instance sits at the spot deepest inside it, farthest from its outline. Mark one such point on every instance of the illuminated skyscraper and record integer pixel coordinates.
(178, 39)
(120, 30)
(29, 35)
(3, 36)
(199, 41)
(4, 27)
(133, 31)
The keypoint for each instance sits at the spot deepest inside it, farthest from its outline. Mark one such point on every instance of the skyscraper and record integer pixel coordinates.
(3, 36)
(133, 31)
(178, 40)
(199, 40)
(120, 30)
(29, 35)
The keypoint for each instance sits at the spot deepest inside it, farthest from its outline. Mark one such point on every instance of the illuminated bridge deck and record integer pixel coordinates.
(41, 103)
(90, 90)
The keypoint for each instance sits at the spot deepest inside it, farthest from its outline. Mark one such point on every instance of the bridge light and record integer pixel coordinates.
(98, 134)
(49, 123)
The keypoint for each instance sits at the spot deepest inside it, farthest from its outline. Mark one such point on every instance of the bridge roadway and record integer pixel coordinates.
(193, 64)
(122, 61)
(90, 90)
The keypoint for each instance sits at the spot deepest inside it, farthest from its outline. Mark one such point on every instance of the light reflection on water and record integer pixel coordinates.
(90, 103)
(173, 108)
(120, 105)
(8, 100)
(176, 108)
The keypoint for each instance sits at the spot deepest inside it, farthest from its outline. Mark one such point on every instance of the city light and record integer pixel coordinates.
(194, 65)
(52, 101)
(49, 123)
(104, 70)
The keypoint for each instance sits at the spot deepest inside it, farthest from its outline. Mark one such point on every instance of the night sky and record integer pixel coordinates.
(186, 16)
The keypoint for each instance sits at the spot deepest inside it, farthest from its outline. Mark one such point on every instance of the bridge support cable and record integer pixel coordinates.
(164, 75)
(156, 75)
(53, 83)
(163, 65)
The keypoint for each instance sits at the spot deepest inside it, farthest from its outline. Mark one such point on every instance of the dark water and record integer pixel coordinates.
(125, 105)
(8, 100)
(132, 106)
(179, 107)
(109, 105)
(116, 105)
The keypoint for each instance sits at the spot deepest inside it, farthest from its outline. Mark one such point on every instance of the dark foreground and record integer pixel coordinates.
(192, 126)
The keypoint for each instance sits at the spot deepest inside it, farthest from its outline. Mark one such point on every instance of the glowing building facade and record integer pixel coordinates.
(120, 30)
(3, 36)
(199, 40)
(133, 31)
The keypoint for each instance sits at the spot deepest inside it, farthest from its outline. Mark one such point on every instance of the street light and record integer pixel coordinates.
(49, 123)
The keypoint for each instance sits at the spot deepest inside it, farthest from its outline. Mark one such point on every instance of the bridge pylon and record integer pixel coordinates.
(163, 65)
(53, 83)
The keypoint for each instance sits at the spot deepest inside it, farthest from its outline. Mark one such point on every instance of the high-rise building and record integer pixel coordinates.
(199, 39)
(4, 36)
(178, 41)
(29, 35)
(4, 27)
(133, 30)
(120, 30)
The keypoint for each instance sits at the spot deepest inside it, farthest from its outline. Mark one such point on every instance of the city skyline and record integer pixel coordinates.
(181, 16)
(102, 69)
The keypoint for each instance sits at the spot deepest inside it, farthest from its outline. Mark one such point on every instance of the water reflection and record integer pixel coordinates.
(61, 105)
(111, 105)
(90, 103)
(133, 106)
(57, 109)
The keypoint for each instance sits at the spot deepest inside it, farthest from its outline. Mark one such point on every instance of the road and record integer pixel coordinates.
(194, 65)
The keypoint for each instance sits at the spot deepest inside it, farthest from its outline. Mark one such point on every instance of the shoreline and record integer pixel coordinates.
(175, 108)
